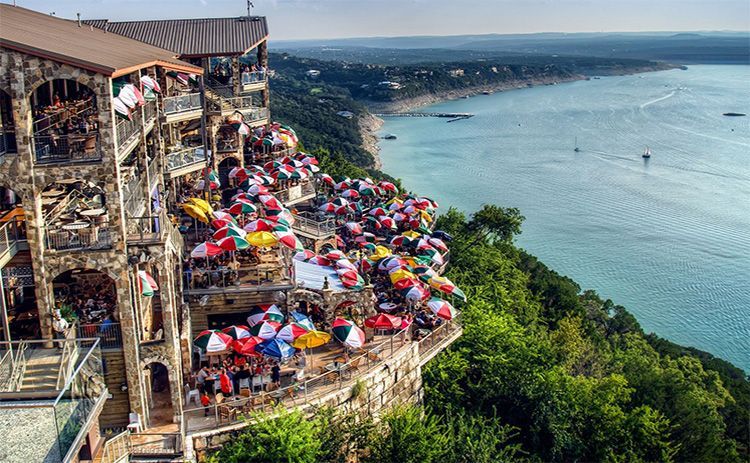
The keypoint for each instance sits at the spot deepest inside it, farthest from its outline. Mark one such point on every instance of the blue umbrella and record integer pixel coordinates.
(275, 348)
(302, 320)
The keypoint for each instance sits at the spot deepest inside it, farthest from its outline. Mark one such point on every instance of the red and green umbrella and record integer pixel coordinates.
(446, 286)
(304, 255)
(266, 329)
(246, 346)
(347, 333)
(383, 321)
(377, 211)
(206, 250)
(350, 278)
(237, 331)
(327, 179)
(291, 331)
(388, 186)
(289, 239)
(263, 312)
(243, 207)
(387, 222)
(350, 194)
(229, 230)
(415, 293)
(258, 225)
(270, 201)
(354, 228)
(146, 284)
(211, 341)
(442, 308)
(233, 243)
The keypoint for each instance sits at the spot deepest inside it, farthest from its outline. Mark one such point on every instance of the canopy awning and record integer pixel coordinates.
(311, 276)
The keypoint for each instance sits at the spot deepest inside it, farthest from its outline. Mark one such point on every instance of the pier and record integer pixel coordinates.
(453, 116)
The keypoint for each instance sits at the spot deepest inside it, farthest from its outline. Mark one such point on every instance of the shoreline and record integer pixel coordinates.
(369, 124)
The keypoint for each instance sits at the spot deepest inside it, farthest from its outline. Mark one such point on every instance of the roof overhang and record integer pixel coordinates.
(94, 67)
(225, 53)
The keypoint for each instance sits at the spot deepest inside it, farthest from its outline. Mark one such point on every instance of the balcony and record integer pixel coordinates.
(182, 107)
(296, 194)
(152, 229)
(129, 132)
(186, 161)
(76, 148)
(260, 277)
(12, 240)
(54, 396)
(308, 225)
(309, 393)
(78, 236)
(254, 81)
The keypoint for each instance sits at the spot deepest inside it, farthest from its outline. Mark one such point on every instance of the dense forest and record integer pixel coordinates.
(545, 371)
(384, 83)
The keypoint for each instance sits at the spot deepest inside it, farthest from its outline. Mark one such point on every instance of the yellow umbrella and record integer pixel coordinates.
(261, 239)
(195, 212)
(202, 204)
(381, 252)
(411, 234)
(401, 274)
(311, 339)
(425, 216)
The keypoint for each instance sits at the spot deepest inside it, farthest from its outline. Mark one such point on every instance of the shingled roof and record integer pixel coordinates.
(85, 47)
(192, 38)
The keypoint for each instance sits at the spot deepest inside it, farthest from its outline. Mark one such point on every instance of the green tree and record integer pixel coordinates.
(408, 435)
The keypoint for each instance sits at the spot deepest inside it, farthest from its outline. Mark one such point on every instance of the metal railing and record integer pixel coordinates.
(12, 236)
(109, 334)
(3, 145)
(253, 113)
(185, 157)
(127, 131)
(117, 449)
(181, 103)
(95, 236)
(152, 229)
(298, 394)
(149, 112)
(254, 77)
(256, 278)
(433, 341)
(151, 444)
(313, 227)
(68, 360)
(51, 149)
(153, 173)
(295, 193)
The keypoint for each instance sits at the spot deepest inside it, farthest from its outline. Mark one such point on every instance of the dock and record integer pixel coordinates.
(453, 116)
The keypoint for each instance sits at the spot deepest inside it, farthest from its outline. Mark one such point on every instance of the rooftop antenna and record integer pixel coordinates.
(78, 15)
(249, 6)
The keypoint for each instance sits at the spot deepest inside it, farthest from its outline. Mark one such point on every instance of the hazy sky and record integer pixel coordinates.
(299, 19)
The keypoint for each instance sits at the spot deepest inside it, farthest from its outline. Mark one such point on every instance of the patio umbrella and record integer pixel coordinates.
(311, 339)
(246, 346)
(229, 230)
(264, 312)
(195, 212)
(261, 239)
(206, 250)
(270, 201)
(388, 186)
(347, 333)
(327, 179)
(258, 225)
(243, 207)
(265, 329)
(212, 341)
(446, 286)
(202, 204)
(257, 189)
(442, 308)
(237, 331)
(276, 348)
(303, 320)
(225, 216)
(289, 239)
(383, 322)
(415, 293)
(146, 284)
(233, 243)
(438, 244)
(354, 228)
(304, 255)
(377, 211)
(291, 331)
(350, 278)
(350, 194)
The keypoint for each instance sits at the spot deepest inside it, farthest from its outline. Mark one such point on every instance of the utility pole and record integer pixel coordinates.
(249, 6)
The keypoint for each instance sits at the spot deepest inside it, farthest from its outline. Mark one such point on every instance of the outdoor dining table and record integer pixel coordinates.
(52, 193)
(93, 212)
(76, 226)
(388, 306)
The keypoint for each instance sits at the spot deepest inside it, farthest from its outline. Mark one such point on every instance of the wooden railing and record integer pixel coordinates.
(117, 449)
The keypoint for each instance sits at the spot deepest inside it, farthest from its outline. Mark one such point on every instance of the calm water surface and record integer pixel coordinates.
(669, 237)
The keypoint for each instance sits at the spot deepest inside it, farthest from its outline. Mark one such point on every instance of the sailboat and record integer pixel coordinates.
(576, 149)
(646, 154)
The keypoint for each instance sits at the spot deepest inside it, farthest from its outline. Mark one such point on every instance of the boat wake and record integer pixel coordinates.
(649, 103)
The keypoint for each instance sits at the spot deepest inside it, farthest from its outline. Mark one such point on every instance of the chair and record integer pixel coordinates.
(354, 365)
(134, 423)
(257, 383)
(89, 147)
(330, 378)
(224, 413)
(191, 394)
(244, 383)
(244, 392)
(219, 398)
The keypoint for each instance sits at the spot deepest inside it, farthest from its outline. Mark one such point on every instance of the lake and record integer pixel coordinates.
(667, 237)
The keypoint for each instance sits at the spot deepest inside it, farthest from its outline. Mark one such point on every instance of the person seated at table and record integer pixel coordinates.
(200, 377)
(225, 382)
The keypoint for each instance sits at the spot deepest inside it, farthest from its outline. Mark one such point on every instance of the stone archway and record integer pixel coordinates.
(76, 215)
(159, 394)
(88, 297)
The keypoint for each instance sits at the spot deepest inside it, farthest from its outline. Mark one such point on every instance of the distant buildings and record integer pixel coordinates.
(456, 72)
(345, 114)
(312, 73)
(390, 85)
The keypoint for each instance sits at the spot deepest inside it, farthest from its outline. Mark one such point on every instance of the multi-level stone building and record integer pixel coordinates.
(90, 216)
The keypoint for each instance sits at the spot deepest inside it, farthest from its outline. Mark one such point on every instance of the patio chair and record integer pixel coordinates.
(219, 398)
(134, 424)
(192, 394)
(330, 378)
(245, 392)
(225, 413)
(354, 365)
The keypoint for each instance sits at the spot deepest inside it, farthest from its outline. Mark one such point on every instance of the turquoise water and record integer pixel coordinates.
(668, 238)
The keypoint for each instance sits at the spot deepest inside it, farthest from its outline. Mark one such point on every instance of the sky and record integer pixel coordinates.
(322, 19)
